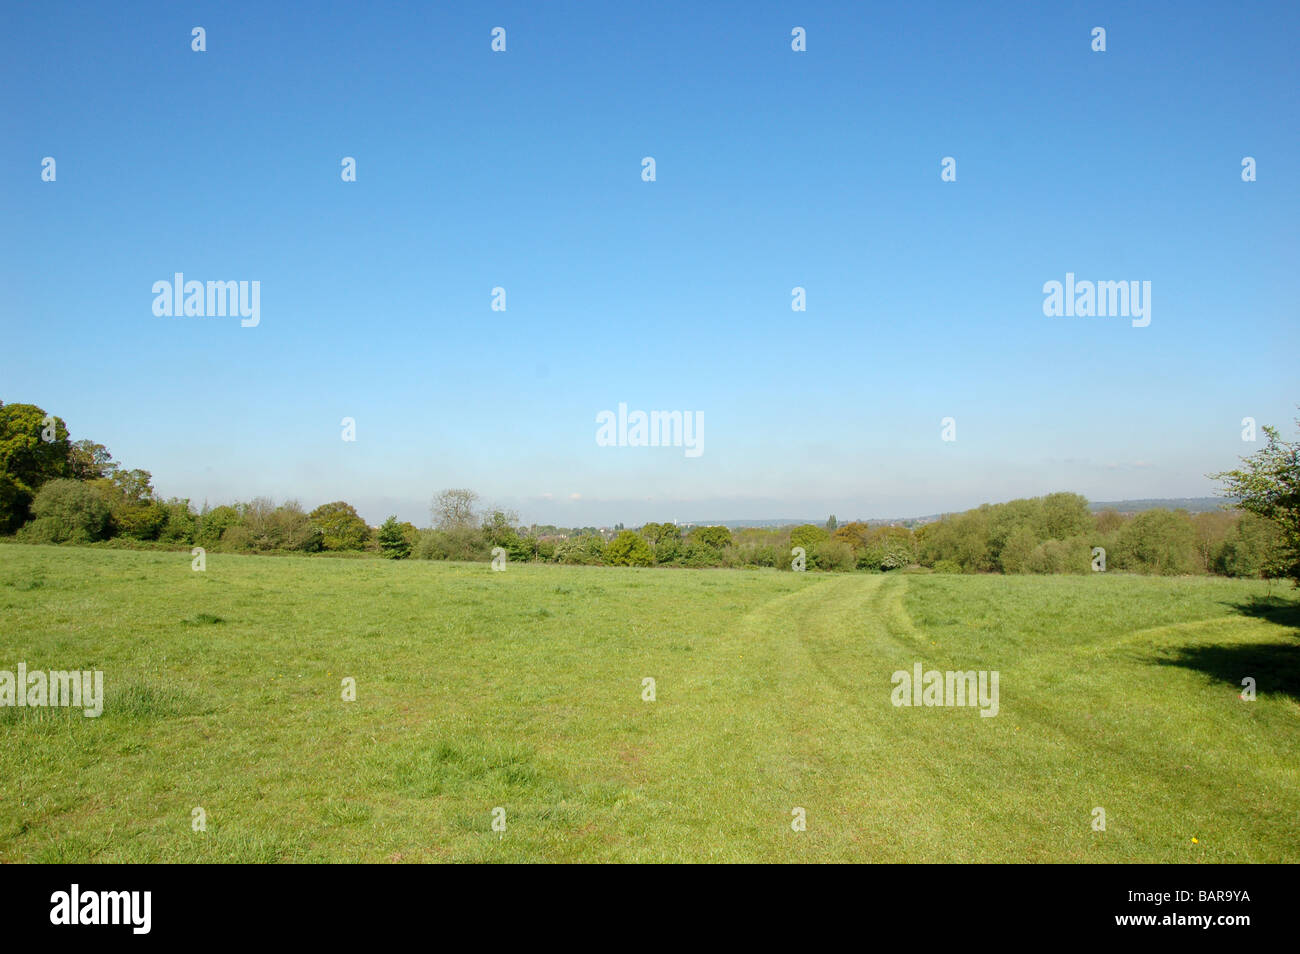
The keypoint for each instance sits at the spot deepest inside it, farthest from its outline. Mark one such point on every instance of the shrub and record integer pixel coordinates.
(67, 511)
(667, 549)
(629, 549)
(522, 549)
(697, 555)
(895, 555)
(289, 528)
(870, 558)
(947, 566)
(211, 525)
(1017, 551)
(429, 546)
(585, 550)
(1254, 548)
(1061, 556)
(236, 538)
(392, 540)
(755, 554)
(180, 524)
(831, 555)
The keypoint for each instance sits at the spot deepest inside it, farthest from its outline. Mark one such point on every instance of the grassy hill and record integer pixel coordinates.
(523, 690)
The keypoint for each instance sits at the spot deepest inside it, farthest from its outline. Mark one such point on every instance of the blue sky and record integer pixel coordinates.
(774, 169)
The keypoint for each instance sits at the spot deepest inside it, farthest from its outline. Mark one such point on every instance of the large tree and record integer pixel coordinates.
(454, 509)
(341, 526)
(89, 461)
(33, 449)
(1269, 485)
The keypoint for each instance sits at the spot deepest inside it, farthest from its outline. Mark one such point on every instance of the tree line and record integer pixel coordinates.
(54, 490)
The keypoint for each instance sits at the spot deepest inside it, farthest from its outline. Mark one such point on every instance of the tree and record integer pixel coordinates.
(340, 525)
(286, 527)
(719, 538)
(1254, 548)
(499, 528)
(629, 549)
(856, 534)
(1157, 541)
(807, 535)
(1018, 550)
(585, 549)
(1109, 520)
(454, 509)
(213, 523)
(181, 522)
(393, 541)
(89, 461)
(1064, 515)
(130, 496)
(28, 459)
(658, 532)
(1269, 486)
(831, 524)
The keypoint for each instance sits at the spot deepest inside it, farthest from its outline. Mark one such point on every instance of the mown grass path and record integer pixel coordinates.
(523, 690)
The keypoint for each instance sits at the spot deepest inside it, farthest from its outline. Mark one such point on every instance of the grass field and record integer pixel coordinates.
(523, 690)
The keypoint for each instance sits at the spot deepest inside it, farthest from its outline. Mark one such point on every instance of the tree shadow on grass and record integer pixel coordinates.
(1274, 609)
(1274, 666)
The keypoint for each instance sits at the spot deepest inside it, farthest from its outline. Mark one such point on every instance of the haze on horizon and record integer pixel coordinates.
(775, 170)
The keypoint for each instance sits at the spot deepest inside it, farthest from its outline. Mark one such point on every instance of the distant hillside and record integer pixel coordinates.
(1190, 504)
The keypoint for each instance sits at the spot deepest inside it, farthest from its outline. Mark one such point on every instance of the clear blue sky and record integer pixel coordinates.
(774, 169)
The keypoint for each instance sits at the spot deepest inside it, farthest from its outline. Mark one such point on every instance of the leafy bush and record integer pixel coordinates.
(392, 540)
(212, 524)
(1061, 556)
(755, 554)
(585, 550)
(831, 555)
(67, 511)
(236, 538)
(1253, 548)
(870, 558)
(895, 555)
(629, 549)
(667, 549)
(454, 543)
(523, 548)
(1017, 551)
(697, 555)
(180, 525)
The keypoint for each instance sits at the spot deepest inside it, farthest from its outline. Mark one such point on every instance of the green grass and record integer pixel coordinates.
(523, 690)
